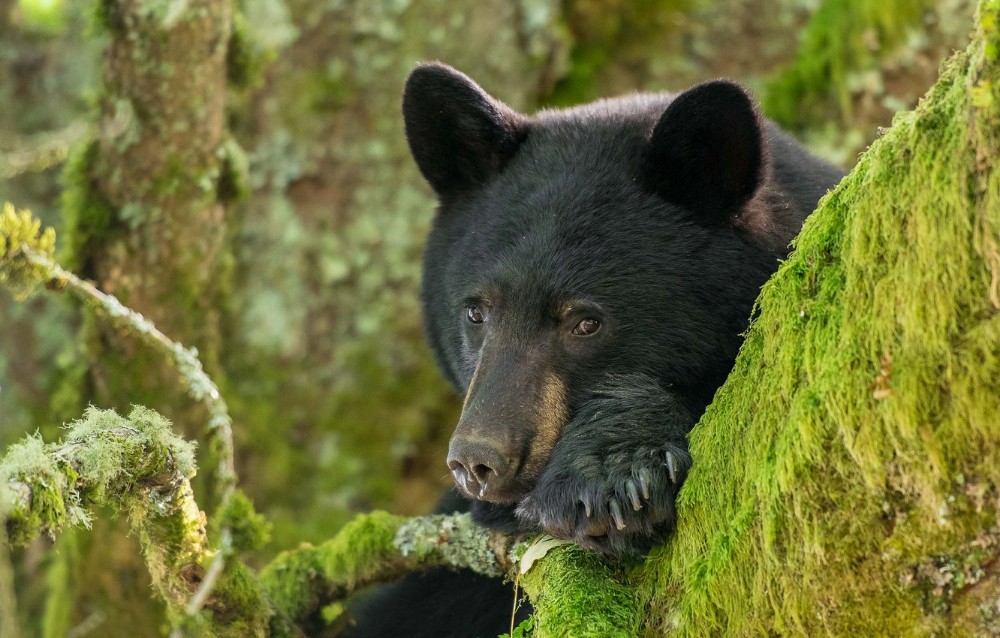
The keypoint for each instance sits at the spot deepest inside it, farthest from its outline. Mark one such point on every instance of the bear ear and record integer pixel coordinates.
(706, 153)
(459, 135)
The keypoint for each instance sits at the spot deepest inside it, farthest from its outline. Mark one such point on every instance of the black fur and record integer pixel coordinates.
(624, 454)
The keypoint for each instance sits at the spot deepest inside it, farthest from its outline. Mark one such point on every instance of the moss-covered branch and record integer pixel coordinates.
(26, 261)
(138, 467)
(571, 589)
(135, 465)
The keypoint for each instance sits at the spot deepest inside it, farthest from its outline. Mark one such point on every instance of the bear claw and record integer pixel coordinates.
(645, 478)
(633, 495)
(616, 513)
(671, 466)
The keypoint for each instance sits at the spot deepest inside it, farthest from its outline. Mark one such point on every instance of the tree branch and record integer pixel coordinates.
(26, 261)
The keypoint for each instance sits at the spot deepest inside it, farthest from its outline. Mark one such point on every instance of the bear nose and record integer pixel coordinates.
(478, 467)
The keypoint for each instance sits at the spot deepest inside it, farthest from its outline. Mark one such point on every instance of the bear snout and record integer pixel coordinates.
(480, 468)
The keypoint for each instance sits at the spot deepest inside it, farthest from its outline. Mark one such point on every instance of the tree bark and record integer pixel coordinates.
(144, 213)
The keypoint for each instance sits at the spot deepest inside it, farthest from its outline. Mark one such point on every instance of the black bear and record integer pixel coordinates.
(587, 281)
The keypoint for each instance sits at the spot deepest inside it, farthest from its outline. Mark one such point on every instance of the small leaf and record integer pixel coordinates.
(539, 549)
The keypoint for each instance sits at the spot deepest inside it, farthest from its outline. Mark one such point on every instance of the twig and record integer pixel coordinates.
(42, 152)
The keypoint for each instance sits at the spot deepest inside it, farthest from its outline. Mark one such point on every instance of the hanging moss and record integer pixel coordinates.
(845, 475)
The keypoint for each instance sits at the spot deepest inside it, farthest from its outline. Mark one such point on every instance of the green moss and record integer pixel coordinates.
(105, 460)
(19, 230)
(296, 579)
(43, 481)
(89, 219)
(578, 593)
(239, 607)
(844, 37)
(234, 173)
(250, 530)
(841, 471)
(246, 59)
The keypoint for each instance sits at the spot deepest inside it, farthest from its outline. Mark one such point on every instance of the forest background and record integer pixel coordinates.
(293, 263)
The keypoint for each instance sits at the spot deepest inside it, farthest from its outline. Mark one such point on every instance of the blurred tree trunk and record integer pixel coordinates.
(144, 214)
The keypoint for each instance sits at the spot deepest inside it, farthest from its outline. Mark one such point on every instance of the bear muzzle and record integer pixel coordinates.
(481, 469)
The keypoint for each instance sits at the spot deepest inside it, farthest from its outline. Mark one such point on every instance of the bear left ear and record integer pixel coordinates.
(459, 135)
(706, 153)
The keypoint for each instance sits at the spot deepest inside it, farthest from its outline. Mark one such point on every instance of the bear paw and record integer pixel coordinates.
(618, 503)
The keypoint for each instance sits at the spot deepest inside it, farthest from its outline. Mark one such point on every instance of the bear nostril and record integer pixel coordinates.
(482, 473)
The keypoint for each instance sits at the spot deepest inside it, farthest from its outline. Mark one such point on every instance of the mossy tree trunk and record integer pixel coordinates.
(144, 210)
(847, 476)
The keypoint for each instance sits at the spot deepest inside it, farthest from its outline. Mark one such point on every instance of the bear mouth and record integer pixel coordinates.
(511, 493)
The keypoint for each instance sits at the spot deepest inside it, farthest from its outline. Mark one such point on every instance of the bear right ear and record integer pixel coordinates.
(459, 135)
(707, 151)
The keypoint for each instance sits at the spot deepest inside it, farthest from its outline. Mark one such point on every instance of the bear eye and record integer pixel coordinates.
(474, 315)
(586, 327)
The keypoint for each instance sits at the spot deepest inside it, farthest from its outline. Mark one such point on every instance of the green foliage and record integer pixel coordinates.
(604, 32)
(844, 37)
(843, 469)
(19, 232)
(523, 629)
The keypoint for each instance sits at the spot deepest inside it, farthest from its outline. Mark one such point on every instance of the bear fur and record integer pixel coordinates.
(588, 278)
